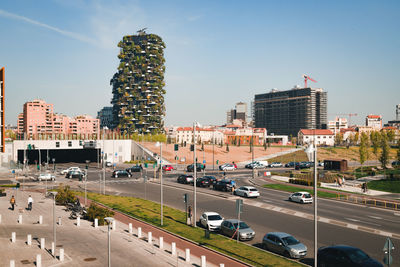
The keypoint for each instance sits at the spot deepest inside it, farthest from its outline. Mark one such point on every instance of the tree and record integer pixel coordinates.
(338, 139)
(376, 140)
(363, 149)
(265, 146)
(385, 151)
(390, 134)
(398, 150)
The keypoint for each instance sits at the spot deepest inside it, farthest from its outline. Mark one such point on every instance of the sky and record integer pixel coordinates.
(217, 53)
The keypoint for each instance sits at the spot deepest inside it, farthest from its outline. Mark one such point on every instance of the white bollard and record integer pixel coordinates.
(96, 223)
(203, 261)
(78, 221)
(42, 243)
(40, 219)
(149, 238)
(130, 228)
(221, 265)
(0, 218)
(12, 263)
(59, 220)
(173, 248)
(38, 260)
(13, 237)
(20, 218)
(53, 250)
(61, 254)
(161, 242)
(114, 225)
(139, 232)
(187, 255)
(29, 240)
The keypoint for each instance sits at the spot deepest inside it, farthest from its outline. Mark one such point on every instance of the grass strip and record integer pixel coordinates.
(292, 189)
(8, 185)
(392, 186)
(174, 221)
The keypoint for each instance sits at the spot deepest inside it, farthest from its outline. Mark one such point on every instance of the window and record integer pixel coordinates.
(57, 144)
(69, 143)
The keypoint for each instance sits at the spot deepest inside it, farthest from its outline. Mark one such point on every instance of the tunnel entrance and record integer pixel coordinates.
(60, 155)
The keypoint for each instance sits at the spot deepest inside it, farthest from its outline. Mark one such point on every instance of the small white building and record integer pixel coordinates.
(204, 135)
(374, 121)
(322, 137)
(336, 125)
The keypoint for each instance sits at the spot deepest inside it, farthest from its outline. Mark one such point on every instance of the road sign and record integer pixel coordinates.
(204, 161)
(387, 259)
(239, 206)
(388, 245)
(217, 162)
(387, 248)
(186, 198)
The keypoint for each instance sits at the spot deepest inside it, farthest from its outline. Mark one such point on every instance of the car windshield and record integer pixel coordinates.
(242, 225)
(357, 255)
(290, 240)
(214, 218)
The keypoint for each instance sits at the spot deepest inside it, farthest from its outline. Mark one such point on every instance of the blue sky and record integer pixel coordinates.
(218, 53)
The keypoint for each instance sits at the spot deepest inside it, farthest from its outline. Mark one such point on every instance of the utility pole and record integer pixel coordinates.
(195, 172)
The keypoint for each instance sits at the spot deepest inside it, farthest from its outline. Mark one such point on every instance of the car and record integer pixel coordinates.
(301, 197)
(75, 174)
(230, 228)
(212, 180)
(202, 182)
(254, 165)
(227, 167)
(396, 163)
(291, 164)
(275, 165)
(285, 244)
(321, 164)
(246, 191)
(70, 169)
(303, 165)
(120, 173)
(109, 164)
(199, 167)
(185, 179)
(167, 167)
(137, 168)
(224, 185)
(211, 220)
(346, 256)
(46, 177)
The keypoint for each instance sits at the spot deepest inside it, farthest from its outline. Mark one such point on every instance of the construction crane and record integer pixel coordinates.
(346, 114)
(306, 77)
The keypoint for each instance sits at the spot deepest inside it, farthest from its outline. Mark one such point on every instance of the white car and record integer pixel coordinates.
(227, 167)
(46, 177)
(211, 220)
(247, 191)
(70, 169)
(275, 165)
(301, 197)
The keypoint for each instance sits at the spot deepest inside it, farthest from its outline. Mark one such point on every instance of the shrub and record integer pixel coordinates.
(65, 195)
(303, 182)
(96, 212)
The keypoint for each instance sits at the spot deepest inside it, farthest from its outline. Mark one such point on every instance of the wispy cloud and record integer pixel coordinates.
(194, 18)
(72, 35)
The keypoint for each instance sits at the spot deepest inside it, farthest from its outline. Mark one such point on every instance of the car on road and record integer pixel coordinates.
(247, 191)
(284, 244)
(199, 167)
(70, 169)
(254, 165)
(137, 168)
(231, 227)
(212, 180)
(203, 182)
(211, 220)
(185, 179)
(46, 177)
(75, 174)
(167, 167)
(396, 163)
(291, 164)
(346, 256)
(303, 165)
(227, 167)
(301, 197)
(109, 164)
(121, 173)
(275, 165)
(224, 185)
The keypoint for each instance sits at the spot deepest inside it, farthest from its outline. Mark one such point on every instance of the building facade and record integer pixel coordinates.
(336, 125)
(105, 115)
(239, 113)
(286, 112)
(374, 121)
(320, 137)
(203, 135)
(138, 86)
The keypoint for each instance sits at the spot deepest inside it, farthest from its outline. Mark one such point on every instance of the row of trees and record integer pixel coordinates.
(374, 136)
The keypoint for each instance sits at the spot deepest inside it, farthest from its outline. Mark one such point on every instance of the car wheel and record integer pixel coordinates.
(290, 199)
(286, 254)
(247, 195)
(302, 201)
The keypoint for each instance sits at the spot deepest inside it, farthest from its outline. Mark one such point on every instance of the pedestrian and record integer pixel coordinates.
(12, 202)
(30, 202)
(343, 180)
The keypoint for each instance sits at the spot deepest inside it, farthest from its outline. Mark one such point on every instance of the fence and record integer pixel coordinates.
(369, 201)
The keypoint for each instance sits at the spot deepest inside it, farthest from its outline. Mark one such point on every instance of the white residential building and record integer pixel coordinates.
(204, 135)
(336, 125)
(321, 137)
(374, 121)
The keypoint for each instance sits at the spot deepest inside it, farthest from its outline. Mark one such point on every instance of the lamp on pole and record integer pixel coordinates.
(213, 148)
(311, 152)
(159, 144)
(54, 221)
(252, 150)
(195, 124)
(109, 221)
(104, 161)
(86, 174)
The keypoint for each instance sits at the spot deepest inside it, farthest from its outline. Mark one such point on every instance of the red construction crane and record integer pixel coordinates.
(306, 77)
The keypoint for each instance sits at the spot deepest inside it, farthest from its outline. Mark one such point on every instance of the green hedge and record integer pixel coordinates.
(65, 195)
(96, 212)
(303, 182)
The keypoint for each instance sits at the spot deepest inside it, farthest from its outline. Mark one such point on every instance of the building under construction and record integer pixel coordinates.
(286, 112)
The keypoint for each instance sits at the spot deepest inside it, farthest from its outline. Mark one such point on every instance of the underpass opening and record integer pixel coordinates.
(59, 155)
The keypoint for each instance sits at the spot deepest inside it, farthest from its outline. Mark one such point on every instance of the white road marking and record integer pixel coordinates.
(396, 213)
(268, 201)
(375, 217)
(351, 219)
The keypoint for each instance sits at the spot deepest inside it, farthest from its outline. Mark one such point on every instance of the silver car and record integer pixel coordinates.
(285, 244)
(229, 228)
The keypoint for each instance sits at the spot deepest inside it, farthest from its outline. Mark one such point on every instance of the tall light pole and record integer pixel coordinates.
(161, 182)
(109, 221)
(104, 161)
(195, 175)
(213, 148)
(252, 150)
(54, 222)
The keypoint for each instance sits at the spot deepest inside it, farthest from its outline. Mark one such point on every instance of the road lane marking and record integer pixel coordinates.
(351, 219)
(375, 217)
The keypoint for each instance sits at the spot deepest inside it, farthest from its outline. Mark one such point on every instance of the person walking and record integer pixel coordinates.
(12, 202)
(30, 202)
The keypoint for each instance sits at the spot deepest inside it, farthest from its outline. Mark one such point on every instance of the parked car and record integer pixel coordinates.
(396, 163)
(301, 197)
(230, 229)
(224, 185)
(275, 165)
(285, 244)
(46, 177)
(211, 220)
(120, 173)
(346, 256)
(321, 164)
(202, 182)
(199, 167)
(167, 167)
(185, 179)
(212, 180)
(291, 164)
(70, 169)
(109, 164)
(254, 165)
(303, 165)
(247, 191)
(137, 168)
(227, 167)
(75, 174)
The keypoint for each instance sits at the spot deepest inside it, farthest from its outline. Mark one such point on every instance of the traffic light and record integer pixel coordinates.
(185, 198)
(176, 147)
(17, 186)
(192, 147)
(29, 146)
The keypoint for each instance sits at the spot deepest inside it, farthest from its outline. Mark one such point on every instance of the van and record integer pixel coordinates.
(264, 163)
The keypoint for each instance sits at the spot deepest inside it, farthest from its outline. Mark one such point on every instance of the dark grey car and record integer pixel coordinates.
(229, 228)
(285, 244)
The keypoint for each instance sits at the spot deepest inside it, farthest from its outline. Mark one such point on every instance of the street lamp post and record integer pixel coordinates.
(161, 182)
(213, 148)
(54, 222)
(87, 168)
(109, 221)
(252, 150)
(104, 162)
(195, 175)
